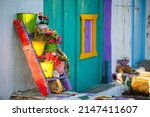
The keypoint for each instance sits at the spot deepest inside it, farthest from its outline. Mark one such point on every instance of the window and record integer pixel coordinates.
(88, 36)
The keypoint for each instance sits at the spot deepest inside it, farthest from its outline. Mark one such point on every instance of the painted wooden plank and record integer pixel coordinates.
(147, 46)
(57, 16)
(138, 31)
(70, 37)
(54, 10)
(121, 26)
(107, 77)
(69, 12)
(62, 14)
(87, 69)
(100, 39)
(93, 19)
(30, 54)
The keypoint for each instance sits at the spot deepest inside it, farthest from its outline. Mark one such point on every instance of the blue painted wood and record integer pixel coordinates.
(132, 51)
(64, 16)
(138, 31)
(143, 26)
(89, 70)
(70, 37)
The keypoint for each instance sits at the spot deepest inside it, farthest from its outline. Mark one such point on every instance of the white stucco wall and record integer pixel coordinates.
(121, 30)
(147, 45)
(14, 71)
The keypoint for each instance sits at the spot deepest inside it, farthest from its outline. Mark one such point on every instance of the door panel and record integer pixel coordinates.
(88, 70)
(64, 16)
(138, 42)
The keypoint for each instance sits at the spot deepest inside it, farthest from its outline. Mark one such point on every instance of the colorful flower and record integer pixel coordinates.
(40, 13)
(49, 35)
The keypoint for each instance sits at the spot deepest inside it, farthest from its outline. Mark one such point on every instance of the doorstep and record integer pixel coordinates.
(111, 89)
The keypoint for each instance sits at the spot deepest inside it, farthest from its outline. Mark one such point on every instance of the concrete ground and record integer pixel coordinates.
(110, 91)
(113, 89)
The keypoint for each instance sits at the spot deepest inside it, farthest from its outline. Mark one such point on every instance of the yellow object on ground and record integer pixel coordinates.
(47, 67)
(141, 84)
(39, 47)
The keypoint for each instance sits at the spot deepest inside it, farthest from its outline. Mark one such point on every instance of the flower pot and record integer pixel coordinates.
(50, 47)
(123, 62)
(38, 47)
(29, 20)
(60, 67)
(47, 67)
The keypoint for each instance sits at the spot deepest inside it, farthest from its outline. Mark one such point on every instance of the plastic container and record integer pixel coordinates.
(50, 48)
(29, 20)
(123, 62)
(60, 67)
(47, 67)
(38, 47)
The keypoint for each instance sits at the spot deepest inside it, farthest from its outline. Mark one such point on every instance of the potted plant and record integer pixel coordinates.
(53, 40)
(39, 40)
(45, 38)
(51, 37)
(39, 37)
(29, 20)
(123, 61)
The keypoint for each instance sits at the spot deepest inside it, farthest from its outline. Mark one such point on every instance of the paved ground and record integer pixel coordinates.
(102, 91)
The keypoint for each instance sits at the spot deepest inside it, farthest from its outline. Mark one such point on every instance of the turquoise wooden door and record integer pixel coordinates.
(138, 31)
(64, 16)
(89, 69)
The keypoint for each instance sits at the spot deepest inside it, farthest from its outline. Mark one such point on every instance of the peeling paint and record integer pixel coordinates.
(147, 48)
(148, 26)
(121, 30)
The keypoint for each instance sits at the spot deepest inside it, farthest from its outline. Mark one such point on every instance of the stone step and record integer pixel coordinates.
(112, 89)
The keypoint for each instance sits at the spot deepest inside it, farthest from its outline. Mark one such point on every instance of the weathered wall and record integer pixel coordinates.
(147, 45)
(121, 30)
(14, 71)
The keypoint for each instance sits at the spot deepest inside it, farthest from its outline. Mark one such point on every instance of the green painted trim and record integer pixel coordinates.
(78, 40)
